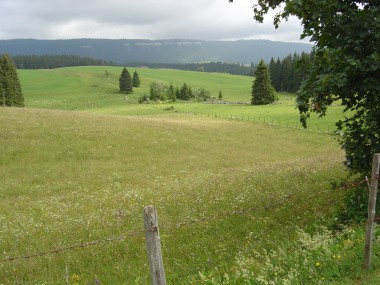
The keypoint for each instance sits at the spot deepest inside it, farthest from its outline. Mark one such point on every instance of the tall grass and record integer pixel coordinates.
(71, 177)
(231, 193)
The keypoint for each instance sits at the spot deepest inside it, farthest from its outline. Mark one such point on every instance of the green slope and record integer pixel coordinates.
(234, 196)
(87, 89)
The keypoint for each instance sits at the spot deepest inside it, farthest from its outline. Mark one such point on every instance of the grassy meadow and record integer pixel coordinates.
(240, 201)
(88, 89)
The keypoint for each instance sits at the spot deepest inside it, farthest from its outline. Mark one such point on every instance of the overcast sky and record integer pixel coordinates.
(141, 19)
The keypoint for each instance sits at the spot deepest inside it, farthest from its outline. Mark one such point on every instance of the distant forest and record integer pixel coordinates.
(286, 74)
(222, 67)
(56, 61)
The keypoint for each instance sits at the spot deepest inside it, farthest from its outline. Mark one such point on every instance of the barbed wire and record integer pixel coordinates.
(286, 199)
(75, 246)
(229, 214)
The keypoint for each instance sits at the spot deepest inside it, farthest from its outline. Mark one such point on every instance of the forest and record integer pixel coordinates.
(286, 73)
(56, 61)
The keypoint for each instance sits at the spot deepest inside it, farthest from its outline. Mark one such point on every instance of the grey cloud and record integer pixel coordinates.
(196, 19)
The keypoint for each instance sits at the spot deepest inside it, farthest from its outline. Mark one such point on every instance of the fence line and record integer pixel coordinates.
(75, 246)
(286, 199)
(263, 120)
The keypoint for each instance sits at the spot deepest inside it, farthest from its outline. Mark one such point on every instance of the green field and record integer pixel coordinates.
(87, 89)
(239, 200)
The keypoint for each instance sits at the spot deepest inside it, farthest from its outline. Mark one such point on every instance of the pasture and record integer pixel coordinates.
(88, 89)
(237, 200)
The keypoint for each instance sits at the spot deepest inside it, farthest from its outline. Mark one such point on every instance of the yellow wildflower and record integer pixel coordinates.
(75, 277)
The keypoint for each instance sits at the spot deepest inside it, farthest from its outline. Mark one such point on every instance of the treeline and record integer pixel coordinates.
(222, 67)
(159, 91)
(288, 73)
(56, 61)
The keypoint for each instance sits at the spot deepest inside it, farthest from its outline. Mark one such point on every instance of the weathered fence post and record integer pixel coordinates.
(153, 246)
(371, 210)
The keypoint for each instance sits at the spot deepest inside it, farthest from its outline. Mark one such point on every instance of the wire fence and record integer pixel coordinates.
(287, 199)
(329, 129)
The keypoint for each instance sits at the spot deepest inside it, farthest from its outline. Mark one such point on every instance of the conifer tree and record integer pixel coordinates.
(122, 81)
(262, 89)
(135, 79)
(10, 87)
(125, 82)
(185, 93)
(171, 93)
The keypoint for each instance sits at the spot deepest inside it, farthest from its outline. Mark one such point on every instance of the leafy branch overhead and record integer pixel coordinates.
(345, 68)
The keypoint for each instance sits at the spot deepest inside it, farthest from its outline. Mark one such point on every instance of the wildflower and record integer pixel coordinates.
(75, 277)
(317, 264)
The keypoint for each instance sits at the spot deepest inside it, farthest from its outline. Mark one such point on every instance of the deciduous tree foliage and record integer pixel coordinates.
(345, 68)
(262, 89)
(10, 87)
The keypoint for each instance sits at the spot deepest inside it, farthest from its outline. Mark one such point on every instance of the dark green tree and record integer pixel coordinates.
(287, 74)
(262, 89)
(122, 80)
(125, 82)
(136, 79)
(185, 93)
(345, 68)
(10, 87)
(171, 93)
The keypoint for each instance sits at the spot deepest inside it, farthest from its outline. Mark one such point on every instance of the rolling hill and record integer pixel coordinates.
(125, 51)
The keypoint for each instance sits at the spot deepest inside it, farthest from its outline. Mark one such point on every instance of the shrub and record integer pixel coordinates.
(312, 258)
(158, 91)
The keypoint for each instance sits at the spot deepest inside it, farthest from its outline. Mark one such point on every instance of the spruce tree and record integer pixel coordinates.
(135, 79)
(122, 81)
(185, 93)
(10, 87)
(262, 89)
(125, 82)
(129, 85)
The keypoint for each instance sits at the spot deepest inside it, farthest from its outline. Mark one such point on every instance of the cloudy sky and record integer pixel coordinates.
(141, 19)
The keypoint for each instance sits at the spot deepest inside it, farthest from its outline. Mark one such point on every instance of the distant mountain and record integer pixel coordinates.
(157, 51)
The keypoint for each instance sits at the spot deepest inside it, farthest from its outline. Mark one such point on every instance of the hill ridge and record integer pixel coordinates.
(125, 51)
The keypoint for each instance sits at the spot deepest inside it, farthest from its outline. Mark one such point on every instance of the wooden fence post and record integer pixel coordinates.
(153, 246)
(371, 210)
